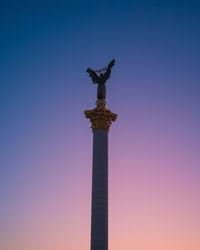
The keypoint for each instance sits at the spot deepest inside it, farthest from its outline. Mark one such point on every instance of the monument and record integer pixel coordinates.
(101, 119)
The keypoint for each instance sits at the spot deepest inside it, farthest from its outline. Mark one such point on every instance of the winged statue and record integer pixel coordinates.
(101, 79)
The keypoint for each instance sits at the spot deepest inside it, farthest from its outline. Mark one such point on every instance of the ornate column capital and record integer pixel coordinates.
(100, 117)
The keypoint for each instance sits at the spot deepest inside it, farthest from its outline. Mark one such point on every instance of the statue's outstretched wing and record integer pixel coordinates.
(106, 75)
(111, 64)
(93, 75)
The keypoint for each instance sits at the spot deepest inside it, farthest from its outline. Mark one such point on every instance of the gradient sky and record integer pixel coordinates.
(46, 142)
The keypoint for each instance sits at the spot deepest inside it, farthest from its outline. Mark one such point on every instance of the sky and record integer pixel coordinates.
(46, 142)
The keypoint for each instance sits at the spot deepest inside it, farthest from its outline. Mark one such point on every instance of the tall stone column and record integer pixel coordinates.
(101, 119)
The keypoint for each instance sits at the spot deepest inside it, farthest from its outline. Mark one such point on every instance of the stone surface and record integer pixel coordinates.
(99, 220)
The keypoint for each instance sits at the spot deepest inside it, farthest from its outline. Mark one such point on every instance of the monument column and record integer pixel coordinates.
(101, 119)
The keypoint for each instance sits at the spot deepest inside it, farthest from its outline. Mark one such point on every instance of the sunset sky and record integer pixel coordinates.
(46, 142)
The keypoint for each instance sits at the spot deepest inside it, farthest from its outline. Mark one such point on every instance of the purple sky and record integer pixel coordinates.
(46, 142)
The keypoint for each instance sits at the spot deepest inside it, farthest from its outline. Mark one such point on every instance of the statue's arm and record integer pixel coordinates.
(93, 75)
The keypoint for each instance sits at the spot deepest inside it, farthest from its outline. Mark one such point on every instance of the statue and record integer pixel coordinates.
(101, 79)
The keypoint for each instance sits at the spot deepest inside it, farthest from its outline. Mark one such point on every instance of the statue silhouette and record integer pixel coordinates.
(101, 79)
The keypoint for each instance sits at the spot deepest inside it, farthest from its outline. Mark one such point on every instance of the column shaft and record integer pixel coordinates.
(99, 220)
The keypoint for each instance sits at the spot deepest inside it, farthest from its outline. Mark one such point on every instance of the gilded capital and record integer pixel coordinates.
(100, 117)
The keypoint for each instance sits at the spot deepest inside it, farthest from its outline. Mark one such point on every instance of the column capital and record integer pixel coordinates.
(100, 117)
